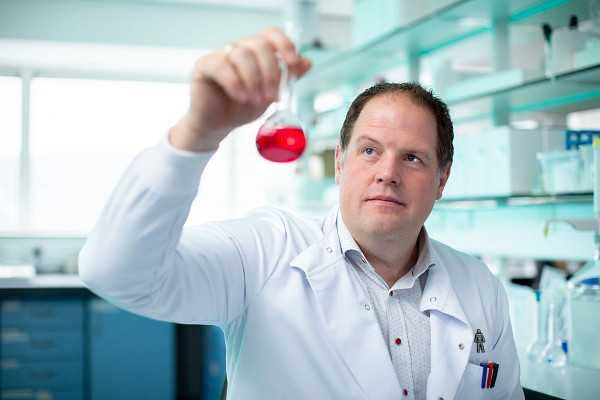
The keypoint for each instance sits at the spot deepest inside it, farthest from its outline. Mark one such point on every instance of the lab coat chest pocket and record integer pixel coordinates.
(482, 381)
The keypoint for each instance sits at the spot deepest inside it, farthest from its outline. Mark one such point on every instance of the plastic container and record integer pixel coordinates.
(562, 171)
(584, 320)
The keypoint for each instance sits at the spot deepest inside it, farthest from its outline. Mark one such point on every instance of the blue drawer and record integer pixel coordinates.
(130, 356)
(50, 313)
(53, 375)
(40, 394)
(41, 345)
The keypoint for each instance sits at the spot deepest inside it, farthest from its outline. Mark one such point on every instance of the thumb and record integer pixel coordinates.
(301, 67)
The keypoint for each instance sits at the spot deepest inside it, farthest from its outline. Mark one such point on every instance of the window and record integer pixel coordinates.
(10, 138)
(84, 133)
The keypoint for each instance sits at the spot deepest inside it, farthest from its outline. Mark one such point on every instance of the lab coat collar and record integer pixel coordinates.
(438, 294)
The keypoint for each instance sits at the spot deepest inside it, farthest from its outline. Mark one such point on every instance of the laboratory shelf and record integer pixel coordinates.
(449, 25)
(515, 200)
(568, 91)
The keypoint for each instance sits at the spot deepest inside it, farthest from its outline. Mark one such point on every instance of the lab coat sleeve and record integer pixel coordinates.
(506, 351)
(139, 256)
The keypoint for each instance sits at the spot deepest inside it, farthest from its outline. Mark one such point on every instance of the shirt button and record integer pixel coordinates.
(398, 341)
(329, 250)
(461, 346)
(405, 392)
(432, 299)
(367, 307)
(391, 293)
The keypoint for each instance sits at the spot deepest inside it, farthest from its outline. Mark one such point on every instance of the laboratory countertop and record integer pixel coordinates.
(46, 281)
(569, 382)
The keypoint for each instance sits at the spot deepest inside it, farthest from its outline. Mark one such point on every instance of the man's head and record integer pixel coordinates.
(393, 160)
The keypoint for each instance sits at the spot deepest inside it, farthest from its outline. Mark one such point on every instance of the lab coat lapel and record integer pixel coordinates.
(450, 329)
(349, 315)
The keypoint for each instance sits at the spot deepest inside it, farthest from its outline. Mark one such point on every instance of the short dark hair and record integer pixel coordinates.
(422, 97)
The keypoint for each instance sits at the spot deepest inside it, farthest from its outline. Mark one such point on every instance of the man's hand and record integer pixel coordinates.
(234, 86)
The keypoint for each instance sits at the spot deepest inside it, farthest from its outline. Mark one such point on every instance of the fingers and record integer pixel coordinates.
(269, 67)
(225, 75)
(249, 70)
(244, 60)
(281, 44)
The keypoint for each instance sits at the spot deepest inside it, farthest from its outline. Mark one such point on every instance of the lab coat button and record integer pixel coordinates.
(461, 346)
(367, 307)
(329, 250)
(432, 299)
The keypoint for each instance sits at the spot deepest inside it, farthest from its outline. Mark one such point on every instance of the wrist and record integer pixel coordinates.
(189, 137)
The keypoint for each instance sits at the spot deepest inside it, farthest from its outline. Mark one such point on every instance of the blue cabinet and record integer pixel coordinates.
(130, 356)
(41, 348)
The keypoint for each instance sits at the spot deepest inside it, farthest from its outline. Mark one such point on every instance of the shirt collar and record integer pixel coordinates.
(348, 247)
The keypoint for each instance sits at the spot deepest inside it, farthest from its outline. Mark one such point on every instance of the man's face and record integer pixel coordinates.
(389, 176)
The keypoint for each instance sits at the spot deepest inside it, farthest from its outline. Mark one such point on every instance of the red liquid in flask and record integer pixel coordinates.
(281, 144)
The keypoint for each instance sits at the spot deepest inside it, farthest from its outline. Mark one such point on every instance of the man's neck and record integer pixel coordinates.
(391, 259)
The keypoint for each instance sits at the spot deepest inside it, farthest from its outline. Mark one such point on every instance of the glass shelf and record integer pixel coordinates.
(515, 200)
(456, 22)
(569, 91)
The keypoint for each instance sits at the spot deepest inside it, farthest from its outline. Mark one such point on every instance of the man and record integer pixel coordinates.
(361, 305)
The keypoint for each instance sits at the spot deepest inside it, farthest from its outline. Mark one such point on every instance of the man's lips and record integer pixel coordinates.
(384, 198)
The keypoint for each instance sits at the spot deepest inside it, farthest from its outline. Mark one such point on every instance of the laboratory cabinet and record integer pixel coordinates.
(41, 349)
(76, 346)
(129, 354)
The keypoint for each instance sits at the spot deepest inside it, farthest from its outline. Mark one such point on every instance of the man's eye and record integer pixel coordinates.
(412, 157)
(368, 151)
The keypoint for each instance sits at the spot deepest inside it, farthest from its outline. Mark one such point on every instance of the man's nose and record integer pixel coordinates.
(388, 171)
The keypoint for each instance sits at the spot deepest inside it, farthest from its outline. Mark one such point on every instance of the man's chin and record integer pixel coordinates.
(383, 224)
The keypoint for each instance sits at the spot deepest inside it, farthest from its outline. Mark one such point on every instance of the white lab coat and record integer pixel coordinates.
(297, 320)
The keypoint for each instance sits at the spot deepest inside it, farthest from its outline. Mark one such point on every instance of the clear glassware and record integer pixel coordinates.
(554, 353)
(281, 137)
(535, 350)
(584, 319)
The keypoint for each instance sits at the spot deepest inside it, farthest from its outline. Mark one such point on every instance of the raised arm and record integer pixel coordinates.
(139, 256)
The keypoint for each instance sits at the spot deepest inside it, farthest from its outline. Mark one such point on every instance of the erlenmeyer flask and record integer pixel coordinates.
(281, 138)
(554, 353)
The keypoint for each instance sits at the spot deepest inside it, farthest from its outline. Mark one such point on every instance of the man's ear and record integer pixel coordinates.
(445, 174)
(339, 160)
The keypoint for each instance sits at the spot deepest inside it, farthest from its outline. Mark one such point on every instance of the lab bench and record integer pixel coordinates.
(60, 341)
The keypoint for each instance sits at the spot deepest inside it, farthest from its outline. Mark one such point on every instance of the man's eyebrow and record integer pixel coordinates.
(365, 138)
